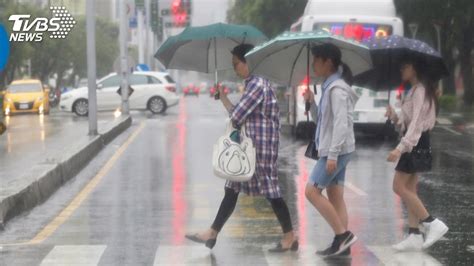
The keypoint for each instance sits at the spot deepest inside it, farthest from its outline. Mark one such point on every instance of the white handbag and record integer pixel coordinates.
(234, 161)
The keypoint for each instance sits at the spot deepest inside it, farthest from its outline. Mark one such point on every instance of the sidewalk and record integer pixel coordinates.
(39, 154)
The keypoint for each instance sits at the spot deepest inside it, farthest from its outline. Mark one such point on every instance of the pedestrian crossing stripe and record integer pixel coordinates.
(183, 255)
(91, 255)
(388, 256)
(74, 255)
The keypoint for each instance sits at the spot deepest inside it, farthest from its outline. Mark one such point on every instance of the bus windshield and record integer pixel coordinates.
(355, 31)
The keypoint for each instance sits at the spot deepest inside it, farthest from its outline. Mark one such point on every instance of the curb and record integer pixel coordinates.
(45, 178)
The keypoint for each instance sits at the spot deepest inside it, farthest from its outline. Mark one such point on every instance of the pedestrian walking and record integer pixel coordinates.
(413, 153)
(335, 143)
(258, 110)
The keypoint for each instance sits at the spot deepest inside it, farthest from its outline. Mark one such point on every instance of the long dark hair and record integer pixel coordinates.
(332, 52)
(421, 69)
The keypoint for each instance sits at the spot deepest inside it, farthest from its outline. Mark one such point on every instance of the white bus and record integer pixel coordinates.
(359, 20)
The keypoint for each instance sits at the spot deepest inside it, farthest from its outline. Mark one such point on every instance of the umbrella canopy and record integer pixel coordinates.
(388, 53)
(286, 59)
(207, 48)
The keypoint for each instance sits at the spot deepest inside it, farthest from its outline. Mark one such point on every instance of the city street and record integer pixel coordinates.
(133, 204)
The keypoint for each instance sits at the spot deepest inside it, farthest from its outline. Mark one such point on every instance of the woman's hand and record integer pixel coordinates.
(331, 166)
(394, 155)
(224, 99)
(390, 111)
(308, 95)
(221, 90)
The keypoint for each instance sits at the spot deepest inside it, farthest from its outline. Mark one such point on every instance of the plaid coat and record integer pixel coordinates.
(258, 109)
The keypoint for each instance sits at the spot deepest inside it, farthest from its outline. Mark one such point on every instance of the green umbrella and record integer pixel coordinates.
(286, 58)
(207, 48)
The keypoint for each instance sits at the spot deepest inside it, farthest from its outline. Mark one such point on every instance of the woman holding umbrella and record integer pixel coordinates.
(397, 59)
(335, 143)
(258, 109)
(417, 118)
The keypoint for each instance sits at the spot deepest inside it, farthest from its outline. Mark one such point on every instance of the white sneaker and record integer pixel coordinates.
(414, 242)
(434, 232)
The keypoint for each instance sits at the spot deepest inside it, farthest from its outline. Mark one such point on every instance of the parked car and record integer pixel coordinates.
(153, 91)
(26, 96)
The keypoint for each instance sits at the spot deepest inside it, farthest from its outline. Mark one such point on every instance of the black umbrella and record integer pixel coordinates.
(388, 53)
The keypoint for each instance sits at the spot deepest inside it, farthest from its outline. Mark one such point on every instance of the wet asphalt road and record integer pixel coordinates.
(135, 201)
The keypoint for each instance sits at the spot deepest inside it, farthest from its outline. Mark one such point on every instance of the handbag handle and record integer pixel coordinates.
(230, 127)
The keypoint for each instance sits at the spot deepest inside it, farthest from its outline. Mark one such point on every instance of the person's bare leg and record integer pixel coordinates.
(413, 220)
(325, 208)
(410, 198)
(336, 197)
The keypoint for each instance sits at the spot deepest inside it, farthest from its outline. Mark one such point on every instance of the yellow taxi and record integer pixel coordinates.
(26, 96)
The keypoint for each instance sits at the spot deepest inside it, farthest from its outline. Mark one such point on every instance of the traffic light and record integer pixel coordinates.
(181, 11)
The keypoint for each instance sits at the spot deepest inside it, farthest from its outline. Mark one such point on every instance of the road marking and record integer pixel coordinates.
(305, 256)
(183, 255)
(355, 189)
(470, 249)
(74, 255)
(444, 121)
(450, 130)
(201, 213)
(388, 256)
(49, 229)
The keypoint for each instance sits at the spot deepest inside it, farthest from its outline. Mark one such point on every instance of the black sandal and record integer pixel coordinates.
(195, 238)
(210, 243)
(279, 248)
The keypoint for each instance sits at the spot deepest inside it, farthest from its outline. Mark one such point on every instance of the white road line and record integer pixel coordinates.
(451, 131)
(304, 256)
(389, 257)
(444, 121)
(183, 255)
(355, 189)
(470, 248)
(201, 213)
(74, 255)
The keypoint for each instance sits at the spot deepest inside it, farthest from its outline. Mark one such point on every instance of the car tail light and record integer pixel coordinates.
(171, 88)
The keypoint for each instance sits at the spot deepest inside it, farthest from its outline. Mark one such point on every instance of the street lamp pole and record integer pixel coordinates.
(124, 71)
(91, 67)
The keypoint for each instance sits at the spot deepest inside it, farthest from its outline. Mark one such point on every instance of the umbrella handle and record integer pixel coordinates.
(307, 106)
(216, 95)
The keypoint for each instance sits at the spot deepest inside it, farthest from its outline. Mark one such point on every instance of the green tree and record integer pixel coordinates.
(107, 48)
(456, 21)
(270, 16)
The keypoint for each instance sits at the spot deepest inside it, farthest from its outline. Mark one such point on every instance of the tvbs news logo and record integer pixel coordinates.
(28, 29)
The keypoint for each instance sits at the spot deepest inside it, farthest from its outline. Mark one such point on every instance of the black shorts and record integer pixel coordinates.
(419, 159)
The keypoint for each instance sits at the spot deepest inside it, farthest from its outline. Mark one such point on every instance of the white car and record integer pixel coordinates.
(154, 91)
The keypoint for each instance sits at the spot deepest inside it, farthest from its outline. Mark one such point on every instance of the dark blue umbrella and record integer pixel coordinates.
(388, 53)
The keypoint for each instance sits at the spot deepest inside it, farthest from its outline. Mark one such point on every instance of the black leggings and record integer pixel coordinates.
(230, 200)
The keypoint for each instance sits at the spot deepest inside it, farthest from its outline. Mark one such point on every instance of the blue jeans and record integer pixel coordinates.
(320, 178)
